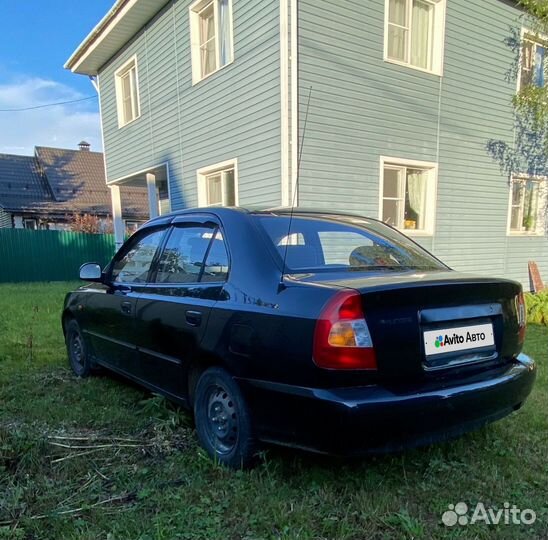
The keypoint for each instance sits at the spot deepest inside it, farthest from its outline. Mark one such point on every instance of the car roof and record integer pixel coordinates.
(224, 211)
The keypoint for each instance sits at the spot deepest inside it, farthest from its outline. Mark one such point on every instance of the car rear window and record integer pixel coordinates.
(327, 242)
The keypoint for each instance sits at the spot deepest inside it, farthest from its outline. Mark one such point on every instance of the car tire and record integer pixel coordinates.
(79, 359)
(223, 422)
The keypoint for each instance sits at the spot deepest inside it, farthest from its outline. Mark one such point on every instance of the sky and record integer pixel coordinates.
(36, 39)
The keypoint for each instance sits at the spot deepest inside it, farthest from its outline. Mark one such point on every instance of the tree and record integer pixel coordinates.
(532, 99)
(526, 157)
(90, 224)
(529, 152)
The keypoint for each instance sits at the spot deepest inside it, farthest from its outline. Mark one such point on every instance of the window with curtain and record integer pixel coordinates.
(415, 33)
(526, 205)
(407, 197)
(533, 62)
(127, 93)
(218, 187)
(211, 34)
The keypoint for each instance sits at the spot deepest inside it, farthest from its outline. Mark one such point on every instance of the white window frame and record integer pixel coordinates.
(202, 175)
(543, 187)
(438, 39)
(194, 17)
(120, 72)
(431, 191)
(533, 37)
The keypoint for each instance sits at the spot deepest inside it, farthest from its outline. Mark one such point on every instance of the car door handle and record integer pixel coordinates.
(127, 308)
(194, 318)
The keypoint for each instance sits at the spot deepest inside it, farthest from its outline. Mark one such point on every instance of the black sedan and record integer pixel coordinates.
(328, 332)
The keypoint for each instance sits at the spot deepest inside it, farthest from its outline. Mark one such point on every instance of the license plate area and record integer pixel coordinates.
(449, 345)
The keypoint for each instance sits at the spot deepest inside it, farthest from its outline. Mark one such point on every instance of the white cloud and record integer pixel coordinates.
(62, 126)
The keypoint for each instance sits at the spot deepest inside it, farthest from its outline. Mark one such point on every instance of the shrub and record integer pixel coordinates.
(90, 224)
(537, 307)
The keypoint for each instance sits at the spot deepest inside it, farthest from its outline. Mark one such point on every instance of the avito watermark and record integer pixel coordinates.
(461, 514)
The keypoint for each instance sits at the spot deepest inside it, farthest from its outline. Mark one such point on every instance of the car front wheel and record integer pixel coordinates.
(79, 360)
(223, 422)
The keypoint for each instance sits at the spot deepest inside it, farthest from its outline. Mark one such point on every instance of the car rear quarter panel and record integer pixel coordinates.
(262, 326)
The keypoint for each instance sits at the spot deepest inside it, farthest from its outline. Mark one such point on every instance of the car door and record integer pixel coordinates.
(173, 311)
(111, 315)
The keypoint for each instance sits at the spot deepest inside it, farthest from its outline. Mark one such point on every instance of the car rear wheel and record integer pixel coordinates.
(223, 422)
(79, 360)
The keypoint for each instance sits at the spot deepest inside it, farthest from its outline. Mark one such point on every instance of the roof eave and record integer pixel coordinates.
(109, 36)
(75, 59)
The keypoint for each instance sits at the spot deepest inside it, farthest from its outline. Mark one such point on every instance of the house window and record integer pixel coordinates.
(211, 36)
(408, 195)
(30, 224)
(533, 58)
(127, 93)
(217, 185)
(415, 33)
(132, 226)
(526, 206)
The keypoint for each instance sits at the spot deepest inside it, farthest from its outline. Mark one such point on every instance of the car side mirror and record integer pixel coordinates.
(91, 272)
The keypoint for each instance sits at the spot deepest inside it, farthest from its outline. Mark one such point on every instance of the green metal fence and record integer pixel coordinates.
(27, 255)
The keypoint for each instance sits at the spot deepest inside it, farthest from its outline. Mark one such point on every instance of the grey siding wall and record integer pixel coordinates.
(5, 219)
(363, 108)
(234, 113)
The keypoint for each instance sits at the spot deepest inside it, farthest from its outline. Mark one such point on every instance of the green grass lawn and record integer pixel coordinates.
(99, 458)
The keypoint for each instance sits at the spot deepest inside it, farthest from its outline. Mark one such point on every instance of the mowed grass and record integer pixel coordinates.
(102, 459)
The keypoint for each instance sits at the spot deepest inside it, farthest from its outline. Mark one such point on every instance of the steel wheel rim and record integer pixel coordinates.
(77, 351)
(222, 419)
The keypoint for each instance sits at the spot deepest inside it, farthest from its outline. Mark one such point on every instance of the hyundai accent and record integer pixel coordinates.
(329, 332)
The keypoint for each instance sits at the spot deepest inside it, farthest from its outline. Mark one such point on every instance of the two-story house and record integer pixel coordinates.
(206, 103)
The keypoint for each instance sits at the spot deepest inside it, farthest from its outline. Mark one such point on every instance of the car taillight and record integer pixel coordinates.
(342, 339)
(521, 312)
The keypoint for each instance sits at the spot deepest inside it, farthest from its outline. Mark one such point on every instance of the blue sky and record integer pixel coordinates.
(36, 39)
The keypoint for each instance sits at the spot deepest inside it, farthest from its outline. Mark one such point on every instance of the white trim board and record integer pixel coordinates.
(284, 100)
(295, 143)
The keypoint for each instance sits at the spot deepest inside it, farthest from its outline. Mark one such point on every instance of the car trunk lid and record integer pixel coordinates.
(425, 324)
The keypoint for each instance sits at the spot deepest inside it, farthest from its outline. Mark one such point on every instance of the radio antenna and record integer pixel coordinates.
(295, 188)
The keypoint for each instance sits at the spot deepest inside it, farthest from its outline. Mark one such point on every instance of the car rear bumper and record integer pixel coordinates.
(346, 421)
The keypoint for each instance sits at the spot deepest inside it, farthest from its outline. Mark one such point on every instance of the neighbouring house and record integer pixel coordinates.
(47, 190)
(206, 101)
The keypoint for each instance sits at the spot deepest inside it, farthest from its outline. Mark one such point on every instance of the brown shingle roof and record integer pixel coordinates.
(59, 181)
(21, 185)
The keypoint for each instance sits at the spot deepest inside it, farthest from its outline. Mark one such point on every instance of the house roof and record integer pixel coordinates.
(116, 28)
(57, 181)
(21, 185)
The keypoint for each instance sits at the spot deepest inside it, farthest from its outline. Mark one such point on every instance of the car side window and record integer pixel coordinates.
(216, 265)
(134, 265)
(183, 257)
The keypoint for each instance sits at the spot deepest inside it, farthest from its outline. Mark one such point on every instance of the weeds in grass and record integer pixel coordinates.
(30, 337)
(165, 414)
(169, 427)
